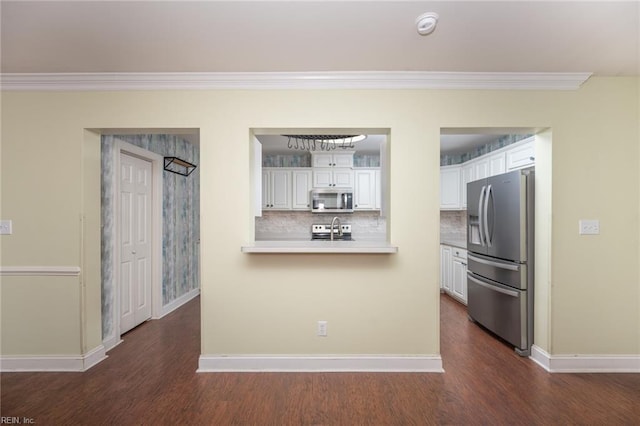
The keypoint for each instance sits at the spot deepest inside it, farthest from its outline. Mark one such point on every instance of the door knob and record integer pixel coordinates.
(133, 252)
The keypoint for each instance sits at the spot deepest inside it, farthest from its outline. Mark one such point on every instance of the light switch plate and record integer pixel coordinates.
(6, 227)
(589, 227)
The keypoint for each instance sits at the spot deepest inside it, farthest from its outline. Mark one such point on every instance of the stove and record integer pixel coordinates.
(323, 232)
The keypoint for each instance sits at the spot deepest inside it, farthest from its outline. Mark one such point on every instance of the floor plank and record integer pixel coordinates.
(150, 379)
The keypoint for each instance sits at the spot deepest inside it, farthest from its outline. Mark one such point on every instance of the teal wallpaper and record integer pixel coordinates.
(180, 217)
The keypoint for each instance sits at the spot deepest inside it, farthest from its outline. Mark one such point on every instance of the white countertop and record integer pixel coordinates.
(307, 246)
(454, 241)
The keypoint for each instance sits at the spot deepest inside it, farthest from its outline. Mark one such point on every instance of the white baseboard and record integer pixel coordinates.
(172, 306)
(111, 342)
(53, 362)
(301, 363)
(585, 363)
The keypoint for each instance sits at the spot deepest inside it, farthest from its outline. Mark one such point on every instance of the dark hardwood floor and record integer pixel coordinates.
(151, 379)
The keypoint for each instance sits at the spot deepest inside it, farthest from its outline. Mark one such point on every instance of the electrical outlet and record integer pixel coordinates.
(6, 227)
(589, 227)
(322, 329)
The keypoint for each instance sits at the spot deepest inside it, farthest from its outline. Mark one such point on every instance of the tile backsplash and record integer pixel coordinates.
(297, 224)
(453, 224)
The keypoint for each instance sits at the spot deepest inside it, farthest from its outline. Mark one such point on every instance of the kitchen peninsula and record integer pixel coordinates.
(293, 246)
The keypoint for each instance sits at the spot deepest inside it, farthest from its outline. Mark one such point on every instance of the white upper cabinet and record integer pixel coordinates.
(367, 189)
(334, 159)
(481, 167)
(378, 190)
(332, 170)
(450, 188)
(467, 174)
(301, 185)
(521, 156)
(512, 157)
(497, 164)
(276, 189)
(332, 178)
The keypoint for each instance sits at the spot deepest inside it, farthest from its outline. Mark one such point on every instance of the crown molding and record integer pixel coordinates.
(290, 80)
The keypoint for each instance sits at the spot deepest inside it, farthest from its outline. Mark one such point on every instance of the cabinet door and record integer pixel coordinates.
(459, 278)
(266, 189)
(322, 178)
(343, 178)
(378, 193)
(467, 175)
(365, 190)
(445, 267)
(280, 189)
(497, 164)
(322, 160)
(301, 181)
(343, 160)
(481, 168)
(521, 156)
(450, 187)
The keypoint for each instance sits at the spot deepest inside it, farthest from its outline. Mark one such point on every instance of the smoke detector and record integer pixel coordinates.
(426, 23)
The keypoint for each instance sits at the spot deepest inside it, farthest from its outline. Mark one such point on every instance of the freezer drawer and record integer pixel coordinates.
(512, 274)
(501, 309)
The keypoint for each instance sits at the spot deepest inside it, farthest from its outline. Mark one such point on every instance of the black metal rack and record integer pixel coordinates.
(179, 166)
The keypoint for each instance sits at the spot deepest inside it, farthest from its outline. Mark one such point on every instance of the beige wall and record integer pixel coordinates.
(375, 304)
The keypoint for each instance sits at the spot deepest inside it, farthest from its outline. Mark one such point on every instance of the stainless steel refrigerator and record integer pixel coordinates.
(500, 243)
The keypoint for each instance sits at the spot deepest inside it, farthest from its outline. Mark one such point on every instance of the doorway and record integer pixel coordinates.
(469, 154)
(174, 237)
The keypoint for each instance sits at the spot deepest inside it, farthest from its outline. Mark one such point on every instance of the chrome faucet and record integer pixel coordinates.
(336, 219)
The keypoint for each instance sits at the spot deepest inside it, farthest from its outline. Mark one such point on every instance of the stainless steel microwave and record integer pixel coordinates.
(332, 200)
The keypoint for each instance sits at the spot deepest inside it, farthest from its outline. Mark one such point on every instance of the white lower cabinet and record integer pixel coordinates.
(445, 268)
(453, 272)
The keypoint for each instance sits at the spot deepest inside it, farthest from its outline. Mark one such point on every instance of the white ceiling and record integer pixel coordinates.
(601, 37)
(268, 36)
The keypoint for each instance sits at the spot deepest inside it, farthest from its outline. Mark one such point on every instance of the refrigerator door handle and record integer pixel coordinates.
(496, 264)
(493, 288)
(486, 216)
(482, 237)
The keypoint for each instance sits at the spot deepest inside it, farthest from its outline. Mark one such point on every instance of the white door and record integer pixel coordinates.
(135, 241)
